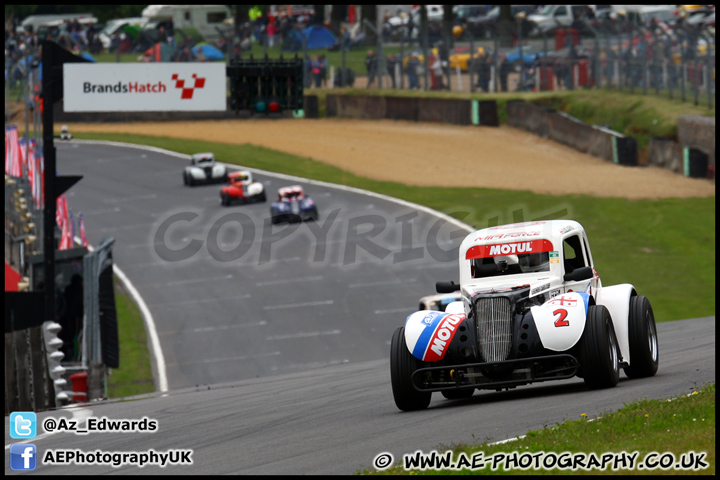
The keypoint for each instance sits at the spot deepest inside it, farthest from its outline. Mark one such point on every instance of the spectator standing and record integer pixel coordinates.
(505, 69)
(371, 65)
(323, 63)
(272, 32)
(390, 65)
(412, 72)
(444, 53)
(316, 72)
(483, 73)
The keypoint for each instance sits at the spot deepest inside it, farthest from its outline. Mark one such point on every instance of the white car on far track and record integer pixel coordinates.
(203, 170)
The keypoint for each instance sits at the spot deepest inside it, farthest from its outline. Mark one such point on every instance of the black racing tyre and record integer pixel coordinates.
(402, 366)
(643, 339)
(185, 178)
(458, 394)
(224, 199)
(599, 357)
(262, 197)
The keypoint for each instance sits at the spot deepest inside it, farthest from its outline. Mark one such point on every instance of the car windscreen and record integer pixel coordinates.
(497, 266)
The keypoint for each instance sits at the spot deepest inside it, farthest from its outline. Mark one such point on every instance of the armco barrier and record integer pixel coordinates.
(562, 128)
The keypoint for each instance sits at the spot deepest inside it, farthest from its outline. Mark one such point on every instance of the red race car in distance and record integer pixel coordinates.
(242, 189)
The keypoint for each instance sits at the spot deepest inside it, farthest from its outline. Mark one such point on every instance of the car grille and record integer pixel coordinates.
(494, 328)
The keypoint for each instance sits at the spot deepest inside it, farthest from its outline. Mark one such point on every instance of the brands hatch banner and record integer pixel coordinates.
(144, 87)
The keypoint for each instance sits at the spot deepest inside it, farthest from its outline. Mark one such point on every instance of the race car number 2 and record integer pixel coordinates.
(562, 314)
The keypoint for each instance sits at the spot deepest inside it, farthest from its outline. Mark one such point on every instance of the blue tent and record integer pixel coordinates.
(319, 37)
(210, 52)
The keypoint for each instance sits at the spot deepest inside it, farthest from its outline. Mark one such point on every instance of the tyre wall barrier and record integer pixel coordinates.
(698, 132)
(691, 162)
(591, 139)
(440, 110)
(310, 106)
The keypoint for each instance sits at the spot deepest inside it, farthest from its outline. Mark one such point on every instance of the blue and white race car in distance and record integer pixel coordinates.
(532, 309)
(292, 206)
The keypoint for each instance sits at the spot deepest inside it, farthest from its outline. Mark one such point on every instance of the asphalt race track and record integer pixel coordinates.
(282, 367)
(234, 297)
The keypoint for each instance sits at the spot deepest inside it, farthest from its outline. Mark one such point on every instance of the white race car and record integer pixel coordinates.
(203, 170)
(532, 309)
(64, 133)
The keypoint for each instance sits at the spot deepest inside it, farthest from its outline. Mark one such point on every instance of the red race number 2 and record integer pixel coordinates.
(561, 322)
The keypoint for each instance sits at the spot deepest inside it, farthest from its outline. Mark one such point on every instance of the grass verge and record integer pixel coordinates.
(680, 429)
(666, 248)
(134, 376)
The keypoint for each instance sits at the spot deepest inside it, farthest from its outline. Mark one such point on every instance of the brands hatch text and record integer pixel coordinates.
(130, 87)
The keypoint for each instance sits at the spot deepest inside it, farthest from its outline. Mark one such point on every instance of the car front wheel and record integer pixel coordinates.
(642, 336)
(402, 366)
(599, 350)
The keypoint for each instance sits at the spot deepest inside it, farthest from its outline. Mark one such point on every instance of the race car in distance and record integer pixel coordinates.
(292, 206)
(533, 309)
(203, 170)
(242, 189)
(439, 301)
(64, 133)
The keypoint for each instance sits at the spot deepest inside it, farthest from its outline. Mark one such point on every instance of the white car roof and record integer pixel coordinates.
(513, 239)
(552, 230)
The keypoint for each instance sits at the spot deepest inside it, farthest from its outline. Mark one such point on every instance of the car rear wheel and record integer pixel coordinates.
(599, 350)
(224, 199)
(642, 336)
(402, 366)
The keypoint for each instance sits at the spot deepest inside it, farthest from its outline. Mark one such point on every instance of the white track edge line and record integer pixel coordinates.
(160, 368)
